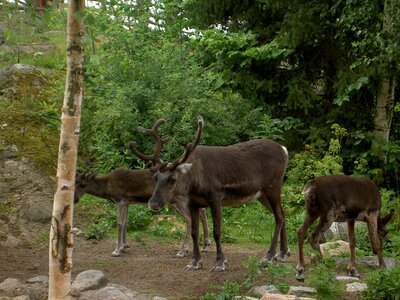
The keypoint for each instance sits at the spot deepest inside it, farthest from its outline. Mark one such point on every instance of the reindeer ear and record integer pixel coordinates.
(386, 219)
(184, 168)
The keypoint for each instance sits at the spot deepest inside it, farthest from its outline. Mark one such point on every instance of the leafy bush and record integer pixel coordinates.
(252, 265)
(278, 275)
(383, 285)
(139, 218)
(97, 231)
(251, 221)
(228, 291)
(323, 279)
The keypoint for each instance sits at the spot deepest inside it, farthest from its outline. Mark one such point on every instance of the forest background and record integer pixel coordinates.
(319, 77)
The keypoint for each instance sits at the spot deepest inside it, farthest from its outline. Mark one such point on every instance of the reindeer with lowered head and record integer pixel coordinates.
(125, 187)
(342, 198)
(213, 177)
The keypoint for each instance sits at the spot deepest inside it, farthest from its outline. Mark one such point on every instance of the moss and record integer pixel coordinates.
(30, 120)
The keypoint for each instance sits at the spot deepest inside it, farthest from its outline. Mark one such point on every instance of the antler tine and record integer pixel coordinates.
(158, 143)
(189, 147)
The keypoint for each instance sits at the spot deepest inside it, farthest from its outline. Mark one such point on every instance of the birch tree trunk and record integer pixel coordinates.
(384, 109)
(385, 95)
(61, 240)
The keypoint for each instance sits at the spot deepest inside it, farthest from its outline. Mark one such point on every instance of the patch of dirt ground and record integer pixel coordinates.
(149, 267)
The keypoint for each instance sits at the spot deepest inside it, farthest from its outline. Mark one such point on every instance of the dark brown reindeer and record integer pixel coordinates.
(342, 198)
(222, 176)
(125, 187)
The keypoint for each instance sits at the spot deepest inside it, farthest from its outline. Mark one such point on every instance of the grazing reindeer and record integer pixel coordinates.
(342, 198)
(223, 176)
(124, 187)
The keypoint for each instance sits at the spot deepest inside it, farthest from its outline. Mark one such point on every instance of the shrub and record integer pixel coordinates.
(139, 217)
(324, 281)
(383, 285)
(279, 274)
(229, 290)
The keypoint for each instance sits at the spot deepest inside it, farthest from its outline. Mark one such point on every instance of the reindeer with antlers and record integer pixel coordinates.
(125, 187)
(206, 176)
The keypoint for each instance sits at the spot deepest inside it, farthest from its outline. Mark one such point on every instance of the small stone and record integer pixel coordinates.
(88, 280)
(76, 231)
(356, 287)
(261, 290)
(346, 278)
(38, 279)
(9, 285)
(335, 248)
(302, 291)
(22, 297)
(269, 296)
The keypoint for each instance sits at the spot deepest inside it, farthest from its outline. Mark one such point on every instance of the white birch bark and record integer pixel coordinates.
(61, 240)
(385, 95)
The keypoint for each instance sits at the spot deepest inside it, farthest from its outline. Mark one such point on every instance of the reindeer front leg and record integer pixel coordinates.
(325, 221)
(215, 207)
(122, 219)
(183, 210)
(351, 269)
(196, 262)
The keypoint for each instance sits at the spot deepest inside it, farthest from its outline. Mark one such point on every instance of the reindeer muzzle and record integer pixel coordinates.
(154, 206)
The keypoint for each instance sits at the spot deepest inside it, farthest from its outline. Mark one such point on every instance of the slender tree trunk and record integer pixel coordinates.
(61, 241)
(385, 95)
(384, 109)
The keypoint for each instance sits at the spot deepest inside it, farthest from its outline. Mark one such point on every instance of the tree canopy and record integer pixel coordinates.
(286, 70)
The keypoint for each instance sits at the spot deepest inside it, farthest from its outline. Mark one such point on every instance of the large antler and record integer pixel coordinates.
(154, 159)
(189, 148)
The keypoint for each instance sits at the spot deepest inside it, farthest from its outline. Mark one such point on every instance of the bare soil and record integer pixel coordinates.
(148, 267)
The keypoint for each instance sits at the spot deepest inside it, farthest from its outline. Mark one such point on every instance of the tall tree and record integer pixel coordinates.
(61, 240)
(385, 96)
(329, 57)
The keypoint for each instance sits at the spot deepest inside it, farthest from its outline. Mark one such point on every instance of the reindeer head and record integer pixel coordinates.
(172, 179)
(382, 221)
(81, 182)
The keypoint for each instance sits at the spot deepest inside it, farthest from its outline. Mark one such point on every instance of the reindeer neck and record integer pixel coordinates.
(98, 187)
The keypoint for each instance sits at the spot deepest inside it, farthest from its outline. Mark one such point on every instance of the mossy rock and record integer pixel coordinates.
(30, 105)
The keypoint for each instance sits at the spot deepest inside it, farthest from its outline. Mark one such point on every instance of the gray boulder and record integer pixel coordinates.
(88, 280)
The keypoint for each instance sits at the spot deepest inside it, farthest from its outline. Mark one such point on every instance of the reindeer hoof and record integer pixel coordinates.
(194, 266)
(300, 276)
(353, 272)
(315, 258)
(266, 260)
(220, 266)
(282, 256)
(181, 253)
(205, 248)
(116, 254)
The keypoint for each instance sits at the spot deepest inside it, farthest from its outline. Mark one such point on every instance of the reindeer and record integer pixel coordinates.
(124, 187)
(213, 177)
(342, 198)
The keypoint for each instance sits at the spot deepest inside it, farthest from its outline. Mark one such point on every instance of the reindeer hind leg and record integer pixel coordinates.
(301, 234)
(272, 201)
(325, 221)
(206, 235)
